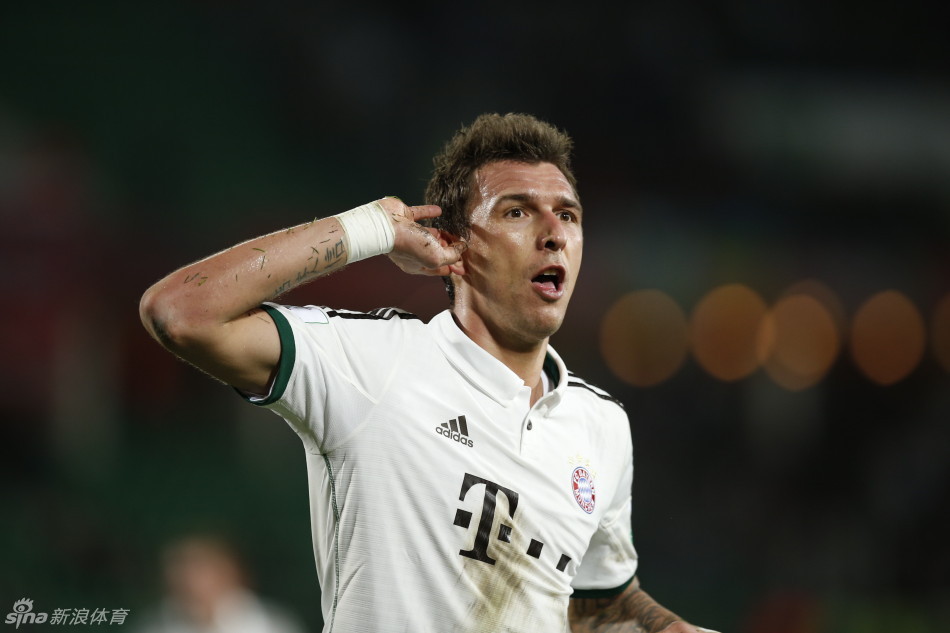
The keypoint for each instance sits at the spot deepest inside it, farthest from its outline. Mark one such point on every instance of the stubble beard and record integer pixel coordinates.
(523, 332)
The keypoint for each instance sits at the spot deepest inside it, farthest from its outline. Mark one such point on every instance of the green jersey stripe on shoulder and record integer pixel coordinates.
(576, 381)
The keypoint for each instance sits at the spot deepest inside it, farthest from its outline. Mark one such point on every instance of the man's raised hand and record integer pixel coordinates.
(421, 250)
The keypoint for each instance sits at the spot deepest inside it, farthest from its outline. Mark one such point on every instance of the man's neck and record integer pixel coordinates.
(525, 360)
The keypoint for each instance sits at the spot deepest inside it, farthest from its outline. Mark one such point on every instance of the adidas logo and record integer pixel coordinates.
(457, 430)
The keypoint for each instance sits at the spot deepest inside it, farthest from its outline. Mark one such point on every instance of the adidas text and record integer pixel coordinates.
(457, 430)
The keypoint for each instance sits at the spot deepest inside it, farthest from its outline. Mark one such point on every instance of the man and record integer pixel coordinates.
(461, 478)
(207, 592)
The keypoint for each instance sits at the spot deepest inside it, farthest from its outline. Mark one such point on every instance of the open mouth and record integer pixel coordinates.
(550, 282)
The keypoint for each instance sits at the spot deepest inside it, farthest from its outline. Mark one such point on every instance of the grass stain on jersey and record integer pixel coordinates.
(504, 602)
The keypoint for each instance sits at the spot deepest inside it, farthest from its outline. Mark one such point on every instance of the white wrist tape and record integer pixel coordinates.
(369, 231)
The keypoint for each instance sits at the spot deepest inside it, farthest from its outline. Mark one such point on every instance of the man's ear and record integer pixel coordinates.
(447, 239)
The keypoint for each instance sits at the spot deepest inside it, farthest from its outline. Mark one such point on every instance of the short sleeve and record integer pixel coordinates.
(334, 367)
(610, 562)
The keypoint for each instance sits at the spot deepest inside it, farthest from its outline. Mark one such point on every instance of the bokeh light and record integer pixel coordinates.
(725, 331)
(887, 337)
(940, 332)
(826, 297)
(798, 342)
(643, 337)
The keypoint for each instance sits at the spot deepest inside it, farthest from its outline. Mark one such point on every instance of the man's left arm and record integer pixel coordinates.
(632, 611)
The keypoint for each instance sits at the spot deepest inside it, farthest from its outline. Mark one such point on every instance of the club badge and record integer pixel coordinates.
(584, 493)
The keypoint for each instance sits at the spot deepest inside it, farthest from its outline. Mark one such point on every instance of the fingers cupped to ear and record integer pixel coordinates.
(452, 241)
(425, 211)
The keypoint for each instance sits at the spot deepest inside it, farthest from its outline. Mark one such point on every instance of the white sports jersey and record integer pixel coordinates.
(440, 500)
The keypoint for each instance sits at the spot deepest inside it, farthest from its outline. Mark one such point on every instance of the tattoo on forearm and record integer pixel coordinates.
(263, 256)
(323, 263)
(335, 252)
(631, 612)
(190, 278)
(282, 288)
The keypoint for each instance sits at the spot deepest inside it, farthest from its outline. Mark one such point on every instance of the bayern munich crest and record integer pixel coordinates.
(583, 484)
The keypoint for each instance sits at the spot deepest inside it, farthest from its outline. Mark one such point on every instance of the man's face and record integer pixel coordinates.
(524, 254)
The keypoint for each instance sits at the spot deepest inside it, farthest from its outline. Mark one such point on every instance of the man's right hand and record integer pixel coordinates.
(421, 250)
(208, 312)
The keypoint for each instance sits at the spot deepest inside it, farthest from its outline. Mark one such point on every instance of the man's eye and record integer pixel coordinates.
(567, 216)
(516, 212)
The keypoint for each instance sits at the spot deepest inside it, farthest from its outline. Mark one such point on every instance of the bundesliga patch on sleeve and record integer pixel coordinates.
(309, 314)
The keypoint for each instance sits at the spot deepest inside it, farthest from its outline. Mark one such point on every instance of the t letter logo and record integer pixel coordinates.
(463, 518)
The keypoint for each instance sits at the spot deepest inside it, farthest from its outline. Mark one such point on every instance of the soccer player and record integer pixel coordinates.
(461, 478)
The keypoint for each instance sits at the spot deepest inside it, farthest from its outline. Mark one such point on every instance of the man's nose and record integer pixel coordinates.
(551, 235)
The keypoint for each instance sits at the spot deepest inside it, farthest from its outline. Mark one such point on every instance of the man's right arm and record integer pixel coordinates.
(209, 314)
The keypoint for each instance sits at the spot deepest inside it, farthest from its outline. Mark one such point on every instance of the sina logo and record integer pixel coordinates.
(456, 430)
(23, 613)
(583, 485)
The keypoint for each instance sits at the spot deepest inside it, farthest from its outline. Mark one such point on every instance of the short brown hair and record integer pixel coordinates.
(490, 138)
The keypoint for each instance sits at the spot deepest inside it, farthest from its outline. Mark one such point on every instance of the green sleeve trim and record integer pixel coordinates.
(602, 593)
(288, 352)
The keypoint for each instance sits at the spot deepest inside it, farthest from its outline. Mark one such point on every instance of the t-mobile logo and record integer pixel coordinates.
(463, 519)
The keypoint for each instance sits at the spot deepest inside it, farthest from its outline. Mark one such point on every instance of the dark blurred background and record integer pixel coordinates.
(766, 282)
